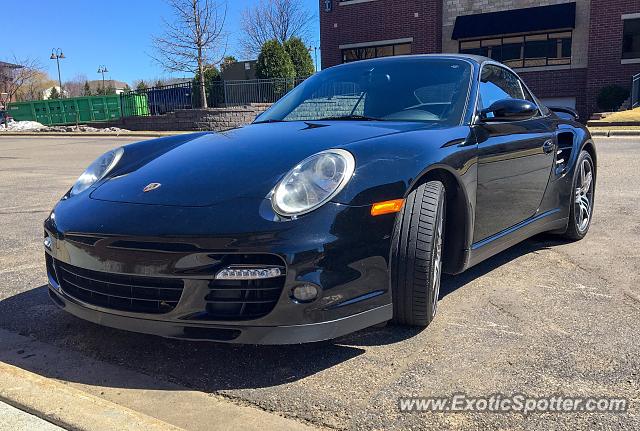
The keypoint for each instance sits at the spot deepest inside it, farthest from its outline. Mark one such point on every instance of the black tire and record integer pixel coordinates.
(576, 230)
(416, 255)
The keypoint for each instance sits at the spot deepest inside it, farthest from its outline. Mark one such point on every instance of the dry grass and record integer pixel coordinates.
(630, 115)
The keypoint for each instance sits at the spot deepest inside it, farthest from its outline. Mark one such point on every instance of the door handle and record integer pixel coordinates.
(548, 146)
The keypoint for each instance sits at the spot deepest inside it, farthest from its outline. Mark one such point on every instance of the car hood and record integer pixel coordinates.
(246, 162)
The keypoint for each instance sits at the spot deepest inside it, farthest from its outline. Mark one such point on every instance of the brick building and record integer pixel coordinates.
(565, 50)
(7, 71)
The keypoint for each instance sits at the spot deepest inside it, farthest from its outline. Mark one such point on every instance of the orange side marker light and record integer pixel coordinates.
(386, 207)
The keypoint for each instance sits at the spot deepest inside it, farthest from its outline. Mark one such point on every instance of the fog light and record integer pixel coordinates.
(305, 292)
(239, 273)
(47, 243)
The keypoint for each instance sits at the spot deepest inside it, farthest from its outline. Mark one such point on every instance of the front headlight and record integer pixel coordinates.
(97, 170)
(313, 182)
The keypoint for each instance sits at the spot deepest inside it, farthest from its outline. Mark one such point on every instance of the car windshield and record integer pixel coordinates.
(408, 89)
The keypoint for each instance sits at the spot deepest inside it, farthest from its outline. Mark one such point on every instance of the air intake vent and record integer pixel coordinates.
(242, 299)
(565, 148)
(137, 294)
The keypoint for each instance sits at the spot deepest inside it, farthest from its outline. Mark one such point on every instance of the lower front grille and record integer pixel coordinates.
(242, 299)
(133, 293)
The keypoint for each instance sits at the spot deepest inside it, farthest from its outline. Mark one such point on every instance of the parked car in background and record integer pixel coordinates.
(339, 208)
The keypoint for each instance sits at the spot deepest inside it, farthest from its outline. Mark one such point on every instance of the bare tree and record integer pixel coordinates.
(35, 87)
(14, 79)
(195, 35)
(273, 19)
(75, 86)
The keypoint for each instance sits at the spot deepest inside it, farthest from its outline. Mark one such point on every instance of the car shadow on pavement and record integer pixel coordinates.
(451, 283)
(204, 366)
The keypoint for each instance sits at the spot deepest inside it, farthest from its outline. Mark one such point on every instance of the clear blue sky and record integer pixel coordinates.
(116, 33)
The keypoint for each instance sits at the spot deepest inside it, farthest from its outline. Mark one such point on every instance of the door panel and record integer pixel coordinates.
(513, 173)
(514, 158)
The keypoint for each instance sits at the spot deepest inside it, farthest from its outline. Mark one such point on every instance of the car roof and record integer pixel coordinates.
(478, 59)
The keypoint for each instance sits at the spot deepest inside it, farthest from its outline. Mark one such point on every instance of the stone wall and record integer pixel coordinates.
(336, 106)
(215, 119)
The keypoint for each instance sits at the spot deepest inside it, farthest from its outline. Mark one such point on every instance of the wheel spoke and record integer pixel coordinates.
(586, 185)
(586, 205)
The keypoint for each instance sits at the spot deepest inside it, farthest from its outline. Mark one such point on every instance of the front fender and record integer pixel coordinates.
(391, 167)
(388, 167)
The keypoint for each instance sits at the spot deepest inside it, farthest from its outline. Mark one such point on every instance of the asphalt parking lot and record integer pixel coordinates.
(542, 318)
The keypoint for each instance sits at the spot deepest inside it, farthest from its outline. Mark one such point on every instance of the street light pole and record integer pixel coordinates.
(57, 55)
(315, 51)
(102, 69)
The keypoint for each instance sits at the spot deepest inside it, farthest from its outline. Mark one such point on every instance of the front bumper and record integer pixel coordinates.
(341, 249)
(290, 334)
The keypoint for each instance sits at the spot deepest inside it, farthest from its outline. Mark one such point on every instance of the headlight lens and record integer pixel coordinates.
(313, 182)
(97, 170)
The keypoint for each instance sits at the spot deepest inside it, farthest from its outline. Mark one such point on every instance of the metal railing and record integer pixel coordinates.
(246, 92)
(168, 98)
(635, 91)
(157, 100)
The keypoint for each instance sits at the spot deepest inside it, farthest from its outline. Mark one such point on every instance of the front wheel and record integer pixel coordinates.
(582, 197)
(416, 257)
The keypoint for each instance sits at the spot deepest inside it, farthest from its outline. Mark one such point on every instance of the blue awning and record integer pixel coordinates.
(529, 20)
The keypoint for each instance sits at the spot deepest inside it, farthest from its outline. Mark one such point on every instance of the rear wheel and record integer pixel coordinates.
(416, 258)
(581, 198)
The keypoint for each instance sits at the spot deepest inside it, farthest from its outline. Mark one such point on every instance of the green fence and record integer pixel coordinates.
(79, 109)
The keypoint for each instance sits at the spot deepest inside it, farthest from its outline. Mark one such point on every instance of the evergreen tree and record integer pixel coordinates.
(274, 62)
(300, 57)
(54, 94)
(141, 85)
(86, 91)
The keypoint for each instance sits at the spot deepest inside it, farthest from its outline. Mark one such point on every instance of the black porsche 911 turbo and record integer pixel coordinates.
(336, 210)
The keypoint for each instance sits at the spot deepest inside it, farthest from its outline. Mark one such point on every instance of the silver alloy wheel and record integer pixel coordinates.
(437, 265)
(584, 196)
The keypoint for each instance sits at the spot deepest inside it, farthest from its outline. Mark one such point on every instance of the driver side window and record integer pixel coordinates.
(496, 84)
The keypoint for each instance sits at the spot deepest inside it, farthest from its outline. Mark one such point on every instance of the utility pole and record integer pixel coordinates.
(57, 55)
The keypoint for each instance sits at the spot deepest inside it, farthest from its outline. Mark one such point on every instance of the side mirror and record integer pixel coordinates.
(509, 110)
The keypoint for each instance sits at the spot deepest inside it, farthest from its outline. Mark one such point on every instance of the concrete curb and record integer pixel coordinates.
(615, 133)
(67, 407)
(80, 393)
(604, 123)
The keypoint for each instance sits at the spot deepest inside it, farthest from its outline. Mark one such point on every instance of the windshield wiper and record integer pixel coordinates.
(270, 121)
(349, 117)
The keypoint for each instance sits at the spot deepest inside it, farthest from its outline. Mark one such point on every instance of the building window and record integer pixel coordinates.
(631, 39)
(545, 49)
(355, 54)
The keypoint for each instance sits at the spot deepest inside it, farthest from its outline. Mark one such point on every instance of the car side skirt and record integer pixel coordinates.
(546, 221)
